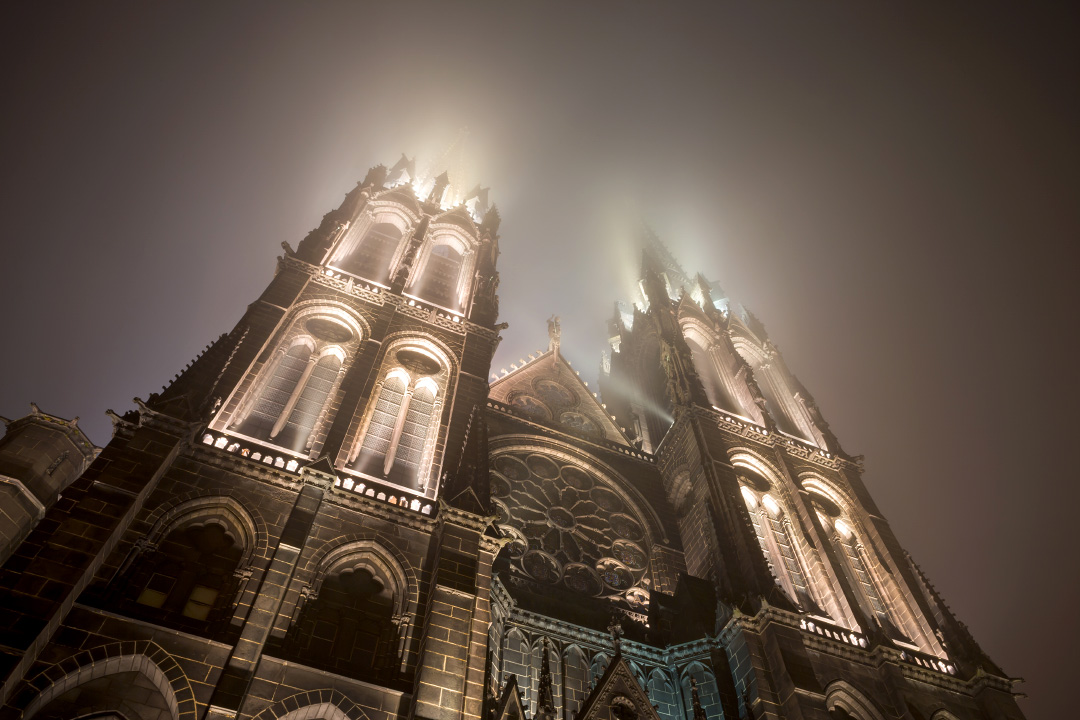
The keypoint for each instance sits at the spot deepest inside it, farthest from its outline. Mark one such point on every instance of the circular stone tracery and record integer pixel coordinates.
(569, 526)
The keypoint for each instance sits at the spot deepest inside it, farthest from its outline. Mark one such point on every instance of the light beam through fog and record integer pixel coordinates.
(891, 190)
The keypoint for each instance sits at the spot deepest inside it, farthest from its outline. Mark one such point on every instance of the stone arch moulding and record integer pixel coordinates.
(777, 477)
(325, 704)
(746, 457)
(816, 484)
(289, 332)
(146, 657)
(390, 208)
(568, 453)
(385, 558)
(251, 529)
(842, 694)
(440, 383)
(425, 340)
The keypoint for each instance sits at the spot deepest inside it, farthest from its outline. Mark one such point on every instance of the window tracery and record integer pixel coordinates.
(718, 367)
(569, 525)
(851, 553)
(287, 402)
(870, 589)
(777, 539)
(783, 403)
(444, 269)
(374, 243)
(549, 401)
(395, 441)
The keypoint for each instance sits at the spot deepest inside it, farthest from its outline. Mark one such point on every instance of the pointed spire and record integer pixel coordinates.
(545, 702)
(404, 171)
(664, 260)
(699, 712)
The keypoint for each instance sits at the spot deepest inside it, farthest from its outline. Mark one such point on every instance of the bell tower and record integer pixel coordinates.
(336, 511)
(297, 518)
(775, 514)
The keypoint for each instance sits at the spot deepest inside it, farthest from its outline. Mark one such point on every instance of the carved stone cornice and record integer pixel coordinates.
(732, 424)
(379, 296)
(450, 514)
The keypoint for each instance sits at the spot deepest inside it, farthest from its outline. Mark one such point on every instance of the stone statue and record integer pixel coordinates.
(554, 332)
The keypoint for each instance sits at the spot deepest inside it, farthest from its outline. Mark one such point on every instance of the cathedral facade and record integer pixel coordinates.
(337, 511)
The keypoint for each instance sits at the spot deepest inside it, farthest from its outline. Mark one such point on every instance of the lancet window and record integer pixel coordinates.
(287, 401)
(396, 439)
(719, 371)
(851, 553)
(775, 536)
(373, 244)
(787, 409)
(444, 271)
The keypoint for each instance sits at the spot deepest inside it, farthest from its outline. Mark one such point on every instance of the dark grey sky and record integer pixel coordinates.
(894, 193)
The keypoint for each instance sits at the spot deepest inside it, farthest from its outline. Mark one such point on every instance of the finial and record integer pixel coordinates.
(437, 192)
(616, 630)
(554, 333)
(545, 701)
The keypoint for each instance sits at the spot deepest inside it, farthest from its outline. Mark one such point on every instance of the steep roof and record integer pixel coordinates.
(547, 390)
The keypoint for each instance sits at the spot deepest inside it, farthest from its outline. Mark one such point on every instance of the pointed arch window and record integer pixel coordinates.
(395, 442)
(439, 283)
(374, 253)
(288, 401)
(707, 372)
(851, 551)
(855, 565)
(270, 404)
(775, 537)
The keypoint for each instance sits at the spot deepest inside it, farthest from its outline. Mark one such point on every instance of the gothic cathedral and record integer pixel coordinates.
(338, 512)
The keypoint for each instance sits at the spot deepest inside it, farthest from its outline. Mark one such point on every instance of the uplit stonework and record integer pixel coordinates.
(341, 510)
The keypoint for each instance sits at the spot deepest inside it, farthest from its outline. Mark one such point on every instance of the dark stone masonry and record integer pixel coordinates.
(337, 511)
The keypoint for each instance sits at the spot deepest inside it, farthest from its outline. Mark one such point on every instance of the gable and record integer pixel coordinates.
(547, 390)
(617, 696)
(509, 706)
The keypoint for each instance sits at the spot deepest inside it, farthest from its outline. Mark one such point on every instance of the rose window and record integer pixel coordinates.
(567, 526)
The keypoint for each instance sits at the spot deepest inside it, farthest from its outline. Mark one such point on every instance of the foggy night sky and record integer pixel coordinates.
(896, 195)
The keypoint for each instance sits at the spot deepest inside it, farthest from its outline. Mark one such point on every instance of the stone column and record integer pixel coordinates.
(240, 667)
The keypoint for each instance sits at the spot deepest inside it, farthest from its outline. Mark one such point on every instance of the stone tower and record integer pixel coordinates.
(336, 512)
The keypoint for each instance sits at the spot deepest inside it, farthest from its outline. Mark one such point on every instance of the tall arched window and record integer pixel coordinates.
(310, 402)
(776, 537)
(707, 372)
(721, 371)
(441, 277)
(269, 406)
(373, 254)
(374, 243)
(855, 564)
(287, 401)
(853, 556)
(777, 390)
(395, 441)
